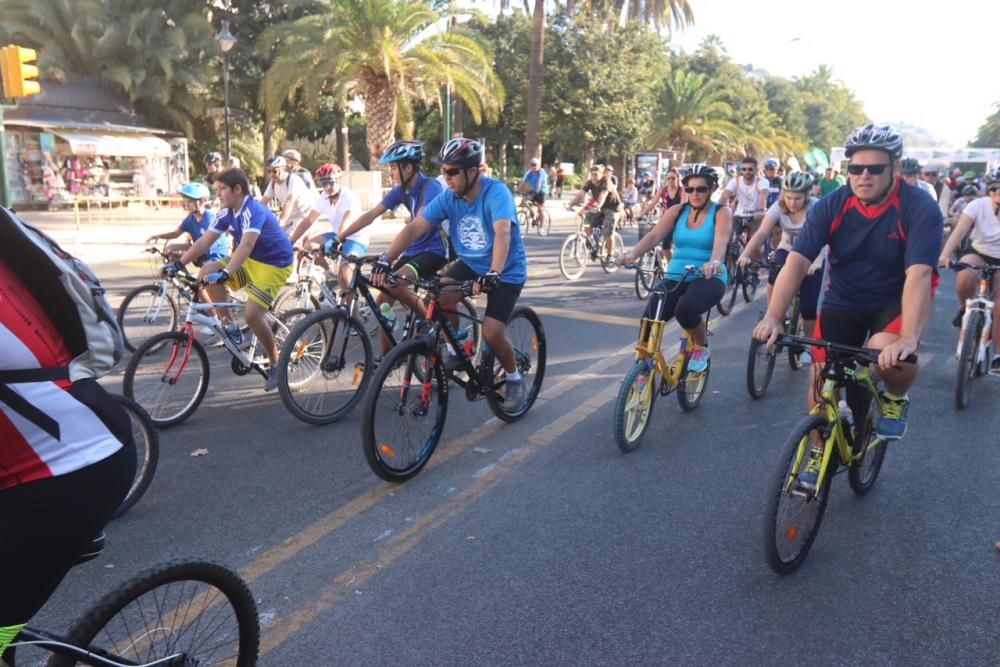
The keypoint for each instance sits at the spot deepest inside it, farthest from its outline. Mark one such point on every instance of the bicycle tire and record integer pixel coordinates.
(629, 403)
(157, 350)
(764, 364)
(147, 452)
(691, 400)
(795, 328)
(322, 404)
(617, 249)
(94, 629)
(644, 281)
(967, 359)
(135, 333)
(523, 340)
(381, 406)
(574, 255)
(778, 561)
(291, 293)
(544, 223)
(728, 300)
(863, 471)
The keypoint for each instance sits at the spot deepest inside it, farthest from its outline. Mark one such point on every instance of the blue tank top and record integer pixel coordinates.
(693, 246)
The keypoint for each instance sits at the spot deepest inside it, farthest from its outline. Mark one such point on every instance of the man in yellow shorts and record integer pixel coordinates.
(261, 261)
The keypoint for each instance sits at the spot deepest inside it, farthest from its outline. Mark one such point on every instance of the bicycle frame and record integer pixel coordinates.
(651, 331)
(984, 304)
(478, 379)
(59, 646)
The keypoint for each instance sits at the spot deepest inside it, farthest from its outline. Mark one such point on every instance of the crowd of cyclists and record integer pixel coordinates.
(861, 254)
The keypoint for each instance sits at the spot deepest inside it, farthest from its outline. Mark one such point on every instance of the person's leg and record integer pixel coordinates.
(215, 293)
(966, 284)
(609, 232)
(499, 305)
(699, 298)
(262, 282)
(316, 243)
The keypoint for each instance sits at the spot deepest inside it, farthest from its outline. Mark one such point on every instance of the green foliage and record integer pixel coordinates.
(989, 132)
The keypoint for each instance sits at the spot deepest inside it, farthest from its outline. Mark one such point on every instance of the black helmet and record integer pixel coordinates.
(909, 165)
(879, 137)
(702, 171)
(212, 157)
(465, 152)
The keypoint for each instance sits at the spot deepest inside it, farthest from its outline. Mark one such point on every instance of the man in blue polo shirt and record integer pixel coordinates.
(884, 237)
(487, 239)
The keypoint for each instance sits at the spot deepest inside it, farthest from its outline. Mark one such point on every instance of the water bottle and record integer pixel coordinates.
(845, 412)
(390, 316)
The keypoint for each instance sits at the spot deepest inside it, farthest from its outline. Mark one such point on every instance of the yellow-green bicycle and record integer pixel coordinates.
(847, 431)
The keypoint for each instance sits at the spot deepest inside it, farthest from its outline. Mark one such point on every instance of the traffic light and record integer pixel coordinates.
(20, 78)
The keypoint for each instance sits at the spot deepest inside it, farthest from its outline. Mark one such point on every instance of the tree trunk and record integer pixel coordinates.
(340, 137)
(532, 147)
(268, 138)
(502, 160)
(589, 156)
(380, 108)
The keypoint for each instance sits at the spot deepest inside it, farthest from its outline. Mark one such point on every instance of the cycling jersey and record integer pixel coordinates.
(337, 209)
(222, 246)
(986, 227)
(472, 228)
(272, 247)
(789, 228)
(871, 247)
(747, 194)
(424, 190)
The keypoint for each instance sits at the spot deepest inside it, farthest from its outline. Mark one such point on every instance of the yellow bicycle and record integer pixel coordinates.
(847, 431)
(638, 392)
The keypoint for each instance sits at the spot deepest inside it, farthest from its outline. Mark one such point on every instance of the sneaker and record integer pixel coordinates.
(808, 477)
(957, 320)
(234, 333)
(892, 422)
(699, 359)
(513, 395)
(272, 380)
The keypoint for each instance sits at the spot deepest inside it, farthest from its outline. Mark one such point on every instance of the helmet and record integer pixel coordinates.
(879, 137)
(212, 157)
(275, 162)
(798, 181)
(401, 151)
(292, 154)
(195, 191)
(992, 176)
(328, 171)
(702, 171)
(534, 162)
(969, 175)
(771, 163)
(909, 166)
(930, 169)
(970, 190)
(461, 151)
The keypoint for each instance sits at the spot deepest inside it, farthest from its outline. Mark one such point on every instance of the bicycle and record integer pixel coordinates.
(761, 358)
(650, 269)
(737, 278)
(794, 511)
(168, 374)
(147, 452)
(326, 361)
(581, 247)
(404, 409)
(634, 403)
(534, 216)
(975, 338)
(180, 613)
(151, 309)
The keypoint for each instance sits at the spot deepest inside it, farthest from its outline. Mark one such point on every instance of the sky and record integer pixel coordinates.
(924, 64)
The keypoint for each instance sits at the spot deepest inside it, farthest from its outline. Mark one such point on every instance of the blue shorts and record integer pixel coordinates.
(350, 246)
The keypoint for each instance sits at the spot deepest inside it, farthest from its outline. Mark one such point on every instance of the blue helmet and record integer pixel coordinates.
(771, 163)
(197, 191)
(412, 151)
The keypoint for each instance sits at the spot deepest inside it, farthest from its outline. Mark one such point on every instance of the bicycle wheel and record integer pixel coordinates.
(168, 377)
(967, 358)
(750, 283)
(544, 222)
(792, 519)
(527, 336)
(728, 300)
(147, 451)
(865, 468)
(402, 418)
(145, 312)
(295, 296)
(760, 368)
(634, 406)
(691, 388)
(644, 280)
(795, 328)
(324, 366)
(573, 256)
(184, 612)
(617, 249)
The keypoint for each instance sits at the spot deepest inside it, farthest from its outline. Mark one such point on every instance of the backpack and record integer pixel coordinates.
(73, 298)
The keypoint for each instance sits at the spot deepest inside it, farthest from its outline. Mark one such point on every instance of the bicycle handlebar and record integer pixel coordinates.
(863, 354)
(981, 268)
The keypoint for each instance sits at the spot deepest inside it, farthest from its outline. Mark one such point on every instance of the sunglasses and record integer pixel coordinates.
(993, 188)
(453, 171)
(327, 182)
(700, 189)
(873, 169)
(747, 170)
(273, 171)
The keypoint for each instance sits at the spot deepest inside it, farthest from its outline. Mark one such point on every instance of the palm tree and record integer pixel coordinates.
(391, 53)
(693, 113)
(661, 14)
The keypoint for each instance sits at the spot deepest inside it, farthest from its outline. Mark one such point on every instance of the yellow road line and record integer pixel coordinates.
(587, 317)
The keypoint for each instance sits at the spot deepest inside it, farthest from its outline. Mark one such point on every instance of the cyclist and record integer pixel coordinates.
(199, 218)
(488, 242)
(261, 262)
(535, 184)
(909, 169)
(290, 192)
(981, 215)
(63, 467)
(701, 230)
(971, 178)
(884, 238)
(293, 160)
(560, 180)
(750, 192)
(969, 194)
(789, 213)
(608, 203)
(213, 165)
(774, 182)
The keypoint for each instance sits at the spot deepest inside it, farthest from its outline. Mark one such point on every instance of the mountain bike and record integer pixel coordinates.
(168, 374)
(975, 338)
(185, 612)
(652, 263)
(534, 216)
(327, 359)
(581, 247)
(404, 409)
(761, 358)
(846, 430)
(146, 442)
(634, 403)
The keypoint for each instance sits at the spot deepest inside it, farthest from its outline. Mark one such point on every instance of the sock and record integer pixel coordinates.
(514, 377)
(894, 397)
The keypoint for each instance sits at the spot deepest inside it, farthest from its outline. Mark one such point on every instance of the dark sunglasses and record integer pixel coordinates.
(747, 169)
(873, 169)
(700, 189)
(993, 188)
(453, 171)
(324, 182)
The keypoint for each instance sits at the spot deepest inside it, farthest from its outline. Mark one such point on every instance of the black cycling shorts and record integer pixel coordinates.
(500, 302)
(854, 327)
(424, 264)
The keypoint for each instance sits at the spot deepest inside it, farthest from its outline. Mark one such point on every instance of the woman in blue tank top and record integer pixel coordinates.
(701, 231)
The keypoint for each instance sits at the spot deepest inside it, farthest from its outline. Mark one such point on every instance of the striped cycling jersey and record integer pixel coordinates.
(46, 428)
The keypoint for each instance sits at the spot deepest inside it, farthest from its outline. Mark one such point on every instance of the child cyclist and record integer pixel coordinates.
(198, 219)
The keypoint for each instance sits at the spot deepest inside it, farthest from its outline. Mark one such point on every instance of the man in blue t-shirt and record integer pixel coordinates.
(535, 183)
(261, 262)
(487, 239)
(884, 237)
(199, 218)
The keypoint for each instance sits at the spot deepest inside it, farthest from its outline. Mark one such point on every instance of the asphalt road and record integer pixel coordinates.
(539, 543)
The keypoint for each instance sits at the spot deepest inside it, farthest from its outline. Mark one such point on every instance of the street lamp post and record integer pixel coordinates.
(226, 43)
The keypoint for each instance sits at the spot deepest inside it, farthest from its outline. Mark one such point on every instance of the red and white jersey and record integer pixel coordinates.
(45, 430)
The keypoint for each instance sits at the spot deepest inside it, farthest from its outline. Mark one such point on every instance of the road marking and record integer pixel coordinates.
(585, 316)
